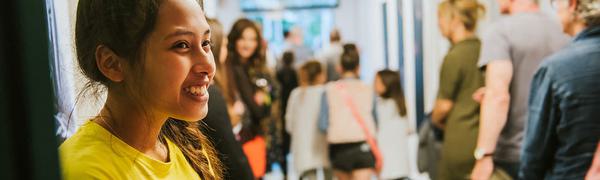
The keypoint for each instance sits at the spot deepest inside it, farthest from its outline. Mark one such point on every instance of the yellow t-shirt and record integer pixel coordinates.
(94, 153)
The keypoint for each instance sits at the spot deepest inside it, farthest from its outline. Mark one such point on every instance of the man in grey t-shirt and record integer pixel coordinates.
(512, 49)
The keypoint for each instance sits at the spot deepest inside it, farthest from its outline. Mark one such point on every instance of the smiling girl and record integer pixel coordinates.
(153, 58)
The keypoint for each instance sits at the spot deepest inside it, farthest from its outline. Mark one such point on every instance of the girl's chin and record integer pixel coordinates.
(193, 117)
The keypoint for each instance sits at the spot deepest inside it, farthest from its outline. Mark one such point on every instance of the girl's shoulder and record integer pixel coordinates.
(316, 89)
(87, 154)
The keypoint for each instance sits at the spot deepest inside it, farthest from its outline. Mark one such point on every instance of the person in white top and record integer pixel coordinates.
(393, 125)
(308, 145)
(330, 56)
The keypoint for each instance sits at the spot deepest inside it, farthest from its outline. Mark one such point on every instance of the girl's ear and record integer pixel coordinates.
(110, 64)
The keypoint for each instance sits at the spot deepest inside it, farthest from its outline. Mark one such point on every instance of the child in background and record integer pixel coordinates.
(346, 116)
(308, 145)
(393, 125)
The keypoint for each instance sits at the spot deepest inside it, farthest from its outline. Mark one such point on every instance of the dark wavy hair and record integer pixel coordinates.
(257, 59)
(350, 59)
(256, 63)
(393, 89)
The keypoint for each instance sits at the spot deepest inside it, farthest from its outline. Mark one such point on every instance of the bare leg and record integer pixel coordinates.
(342, 175)
(362, 174)
(309, 175)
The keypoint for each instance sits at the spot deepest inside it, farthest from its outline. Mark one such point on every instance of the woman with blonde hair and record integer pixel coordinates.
(455, 111)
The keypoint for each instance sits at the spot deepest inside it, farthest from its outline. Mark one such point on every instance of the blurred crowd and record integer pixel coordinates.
(519, 100)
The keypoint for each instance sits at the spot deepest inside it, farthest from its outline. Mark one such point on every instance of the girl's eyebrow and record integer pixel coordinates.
(183, 32)
(179, 32)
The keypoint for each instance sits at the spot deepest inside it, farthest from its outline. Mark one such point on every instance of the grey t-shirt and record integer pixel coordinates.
(525, 39)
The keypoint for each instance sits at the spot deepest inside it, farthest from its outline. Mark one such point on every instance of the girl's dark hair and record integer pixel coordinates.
(256, 62)
(350, 58)
(288, 58)
(393, 89)
(124, 27)
(310, 71)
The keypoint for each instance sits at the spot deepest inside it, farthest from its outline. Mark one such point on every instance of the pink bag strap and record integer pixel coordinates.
(359, 119)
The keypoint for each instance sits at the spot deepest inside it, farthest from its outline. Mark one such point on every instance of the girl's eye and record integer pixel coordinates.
(206, 43)
(181, 45)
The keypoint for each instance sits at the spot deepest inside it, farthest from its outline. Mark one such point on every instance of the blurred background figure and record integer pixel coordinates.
(330, 55)
(288, 80)
(455, 111)
(393, 127)
(512, 49)
(344, 104)
(294, 42)
(563, 127)
(309, 145)
(250, 83)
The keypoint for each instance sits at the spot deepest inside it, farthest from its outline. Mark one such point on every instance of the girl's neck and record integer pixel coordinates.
(461, 34)
(244, 61)
(349, 74)
(577, 28)
(137, 128)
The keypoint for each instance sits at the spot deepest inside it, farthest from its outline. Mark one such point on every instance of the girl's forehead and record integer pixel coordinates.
(177, 15)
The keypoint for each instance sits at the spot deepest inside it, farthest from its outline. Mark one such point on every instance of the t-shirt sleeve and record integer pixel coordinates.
(494, 46)
(450, 76)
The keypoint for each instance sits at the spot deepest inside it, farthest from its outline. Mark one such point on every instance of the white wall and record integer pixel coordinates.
(64, 66)
(227, 12)
(73, 110)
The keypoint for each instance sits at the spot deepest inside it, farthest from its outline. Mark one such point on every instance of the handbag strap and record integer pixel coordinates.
(350, 103)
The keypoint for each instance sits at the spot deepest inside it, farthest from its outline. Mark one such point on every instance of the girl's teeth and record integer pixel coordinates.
(202, 90)
(197, 90)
